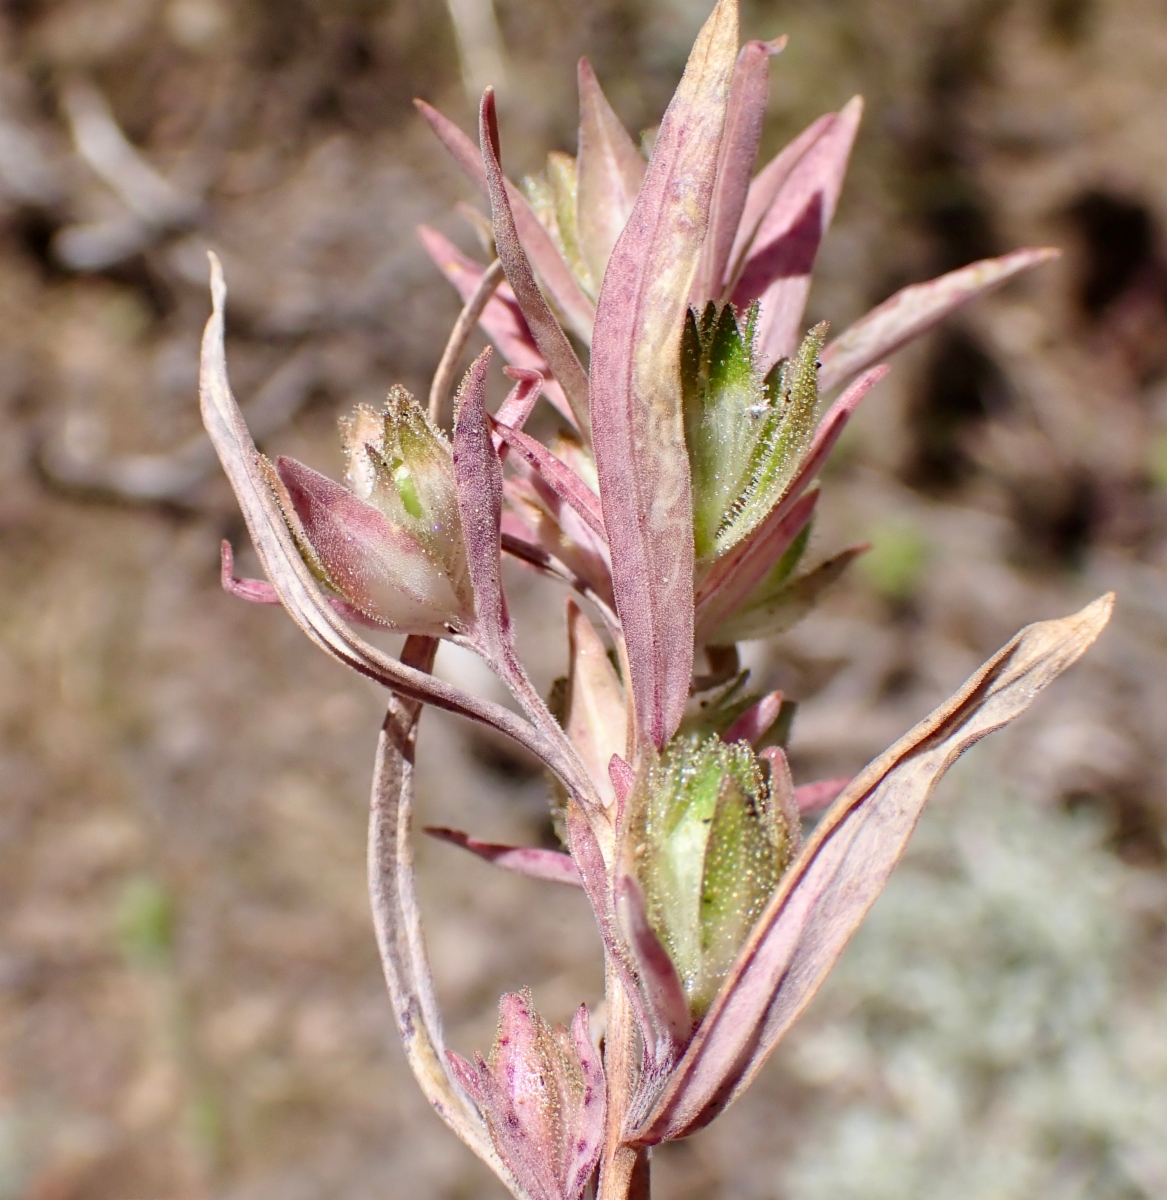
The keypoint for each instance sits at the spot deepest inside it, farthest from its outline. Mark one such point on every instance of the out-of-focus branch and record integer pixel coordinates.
(480, 47)
(172, 478)
(155, 205)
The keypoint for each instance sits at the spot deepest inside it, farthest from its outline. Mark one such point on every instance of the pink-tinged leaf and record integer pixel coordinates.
(589, 1124)
(739, 150)
(536, 863)
(501, 319)
(756, 721)
(915, 309)
(637, 425)
(397, 921)
(284, 565)
(659, 982)
(478, 477)
(549, 337)
(567, 296)
(610, 173)
(536, 515)
(782, 794)
(778, 266)
(596, 719)
(623, 779)
(478, 480)
(256, 591)
(842, 869)
(794, 601)
(520, 401)
(566, 484)
(734, 576)
(812, 797)
(378, 567)
(259, 591)
(764, 189)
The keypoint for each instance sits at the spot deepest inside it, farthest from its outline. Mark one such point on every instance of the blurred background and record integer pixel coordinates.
(190, 1001)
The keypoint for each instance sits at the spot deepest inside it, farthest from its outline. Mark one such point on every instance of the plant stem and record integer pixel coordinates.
(623, 1168)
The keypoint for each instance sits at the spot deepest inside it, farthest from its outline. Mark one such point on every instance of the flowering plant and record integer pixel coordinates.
(675, 502)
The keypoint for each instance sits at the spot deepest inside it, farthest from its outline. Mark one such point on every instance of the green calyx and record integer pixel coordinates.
(710, 846)
(746, 434)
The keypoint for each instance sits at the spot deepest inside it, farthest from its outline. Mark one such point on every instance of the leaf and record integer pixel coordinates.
(478, 476)
(765, 187)
(787, 607)
(566, 484)
(778, 266)
(550, 339)
(841, 871)
(638, 429)
(739, 150)
(501, 320)
(914, 309)
(610, 172)
(293, 581)
(550, 865)
(567, 296)
(397, 921)
(597, 720)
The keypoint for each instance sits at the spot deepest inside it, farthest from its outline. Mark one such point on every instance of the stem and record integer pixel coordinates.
(623, 1168)
(460, 335)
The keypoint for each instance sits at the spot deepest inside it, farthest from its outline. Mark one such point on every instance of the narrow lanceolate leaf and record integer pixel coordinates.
(290, 576)
(567, 296)
(914, 309)
(778, 267)
(764, 188)
(610, 171)
(516, 408)
(532, 861)
(638, 428)
(566, 484)
(756, 721)
(842, 869)
(501, 320)
(550, 339)
(782, 611)
(397, 922)
(478, 476)
(596, 718)
(813, 797)
(739, 150)
(661, 989)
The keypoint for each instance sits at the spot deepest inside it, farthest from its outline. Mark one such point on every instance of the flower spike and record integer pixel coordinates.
(542, 1095)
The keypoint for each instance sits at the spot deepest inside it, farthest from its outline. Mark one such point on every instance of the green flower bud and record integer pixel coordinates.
(746, 434)
(710, 842)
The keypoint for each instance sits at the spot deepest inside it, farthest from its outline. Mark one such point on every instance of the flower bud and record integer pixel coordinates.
(390, 544)
(746, 434)
(710, 836)
(541, 1093)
